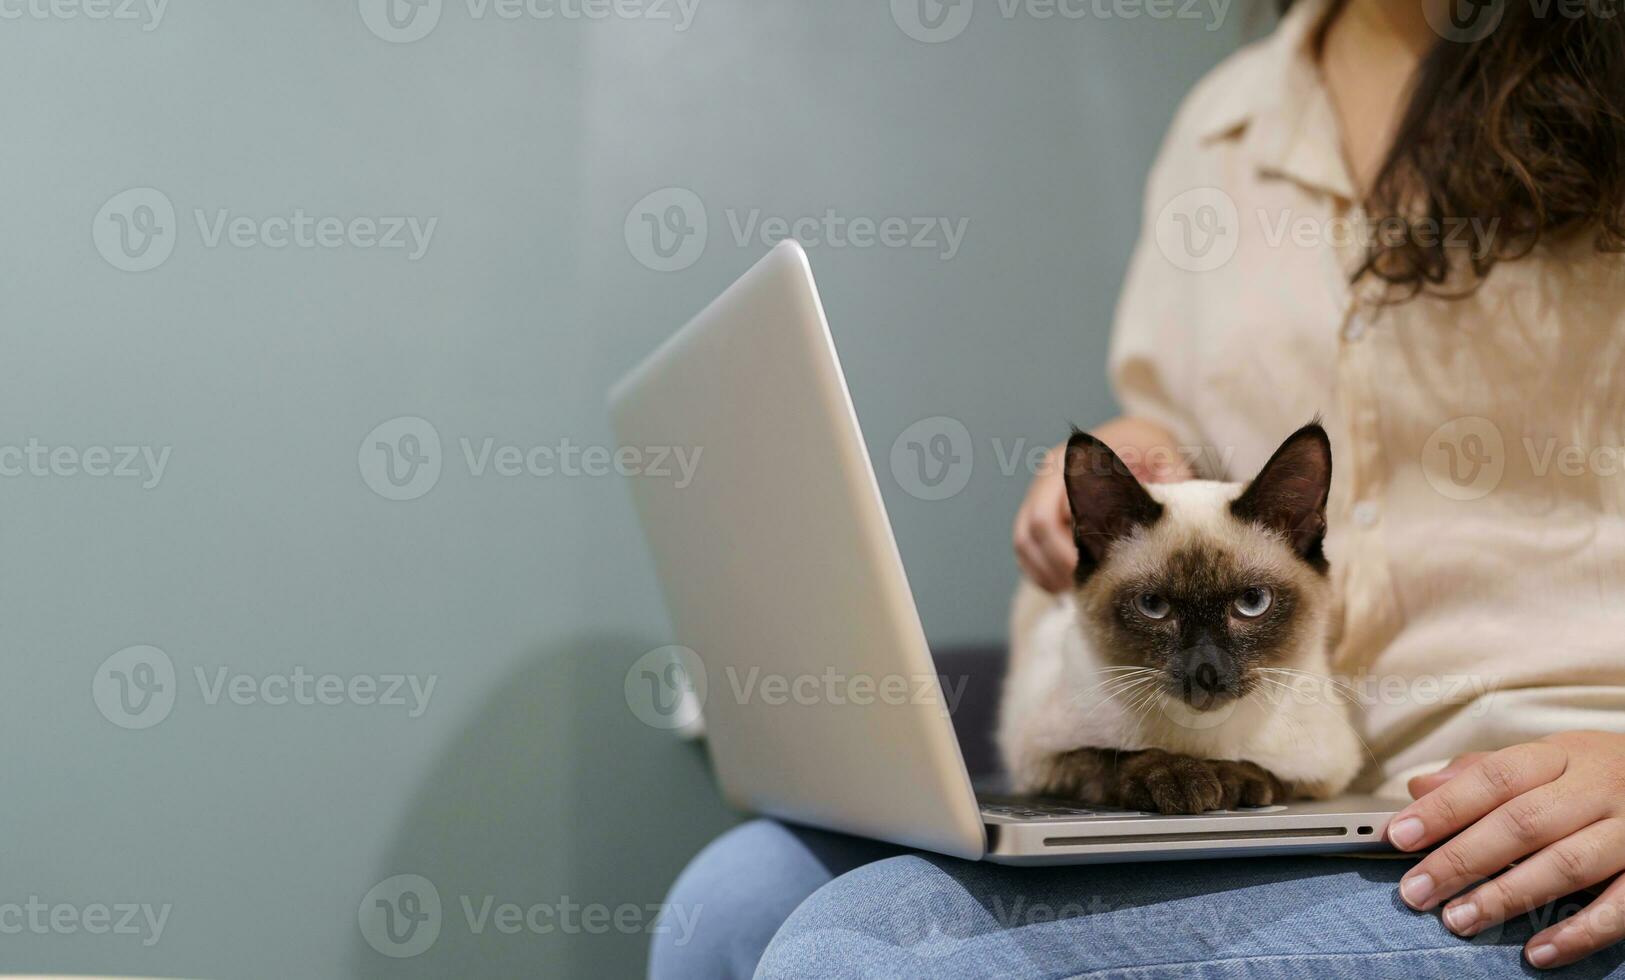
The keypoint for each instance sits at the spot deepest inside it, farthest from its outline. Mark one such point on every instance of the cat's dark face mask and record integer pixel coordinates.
(1212, 631)
(1215, 610)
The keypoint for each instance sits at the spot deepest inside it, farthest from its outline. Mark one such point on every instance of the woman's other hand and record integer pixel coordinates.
(1042, 535)
(1556, 807)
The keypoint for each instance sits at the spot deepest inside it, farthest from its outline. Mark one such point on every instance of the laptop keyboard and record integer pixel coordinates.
(1035, 809)
(1041, 809)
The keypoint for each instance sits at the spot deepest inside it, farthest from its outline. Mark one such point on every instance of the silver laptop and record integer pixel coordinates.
(785, 587)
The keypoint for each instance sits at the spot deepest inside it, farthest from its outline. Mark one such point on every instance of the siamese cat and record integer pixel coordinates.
(1188, 670)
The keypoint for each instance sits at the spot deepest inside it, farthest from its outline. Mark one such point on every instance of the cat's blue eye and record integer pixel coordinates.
(1254, 602)
(1152, 606)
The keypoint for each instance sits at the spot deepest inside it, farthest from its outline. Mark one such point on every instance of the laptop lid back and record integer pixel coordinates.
(780, 571)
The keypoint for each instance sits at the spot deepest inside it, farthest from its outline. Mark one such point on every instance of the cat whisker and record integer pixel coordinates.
(1285, 687)
(1121, 670)
(1361, 739)
(1304, 734)
(1154, 689)
(1346, 693)
(1124, 675)
(1122, 682)
(1132, 689)
(1142, 708)
(1318, 678)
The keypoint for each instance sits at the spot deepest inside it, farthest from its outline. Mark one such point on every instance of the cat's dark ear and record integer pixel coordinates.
(1288, 495)
(1107, 501)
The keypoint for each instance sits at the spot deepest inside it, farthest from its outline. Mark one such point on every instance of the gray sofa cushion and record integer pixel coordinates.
(976, 674)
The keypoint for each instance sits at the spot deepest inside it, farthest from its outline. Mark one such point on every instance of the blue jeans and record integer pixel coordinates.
(788, 902)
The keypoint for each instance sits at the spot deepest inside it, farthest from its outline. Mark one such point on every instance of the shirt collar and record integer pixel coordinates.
(1281, 113)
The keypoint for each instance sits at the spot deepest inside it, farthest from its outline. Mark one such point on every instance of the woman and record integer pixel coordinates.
(1406, 219)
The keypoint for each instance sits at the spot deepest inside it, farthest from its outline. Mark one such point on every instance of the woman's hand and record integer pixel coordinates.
(1045, 549)
(1557, 806)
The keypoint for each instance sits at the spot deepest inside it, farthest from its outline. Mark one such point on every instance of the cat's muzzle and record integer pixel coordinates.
(1205, 677)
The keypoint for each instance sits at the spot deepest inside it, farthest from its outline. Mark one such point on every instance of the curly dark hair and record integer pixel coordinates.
(1515, 123)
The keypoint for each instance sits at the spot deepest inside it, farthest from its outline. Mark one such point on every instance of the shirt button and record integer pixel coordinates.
(1354, 329)
(1365, 513)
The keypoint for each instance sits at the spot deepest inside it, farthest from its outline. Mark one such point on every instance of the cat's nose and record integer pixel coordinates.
(1208, 673)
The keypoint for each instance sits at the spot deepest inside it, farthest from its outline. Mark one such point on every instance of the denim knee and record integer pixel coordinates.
(900, 917)
(736, 893)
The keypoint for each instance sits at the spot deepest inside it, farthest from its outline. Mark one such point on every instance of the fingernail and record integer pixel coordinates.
(1461, 918)
(1543, 955)
(1406, 833)
(1416, 889)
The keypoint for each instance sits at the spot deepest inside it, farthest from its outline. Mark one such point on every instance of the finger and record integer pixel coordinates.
(1027, 558)
(1597, 926)
(1026, 567)
(1030, 556)
(1060, 553)
(1047, 536)
(1475, 791)
(1517, 828)
(1061, 508)
(1420, 786)
(1577, 861)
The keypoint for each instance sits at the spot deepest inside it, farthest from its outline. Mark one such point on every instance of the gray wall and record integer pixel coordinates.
(263, 551)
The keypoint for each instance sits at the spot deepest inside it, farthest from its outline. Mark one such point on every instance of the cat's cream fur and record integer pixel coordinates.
(1054, 696)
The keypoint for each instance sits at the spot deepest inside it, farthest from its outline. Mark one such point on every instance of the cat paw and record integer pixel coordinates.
(1080, 774)
(1162, 782)
(1248, 784)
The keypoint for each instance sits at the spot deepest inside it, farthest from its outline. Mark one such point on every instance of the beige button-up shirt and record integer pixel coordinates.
(1476, 534)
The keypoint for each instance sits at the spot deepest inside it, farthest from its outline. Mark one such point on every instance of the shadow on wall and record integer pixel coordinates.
(549, 831)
